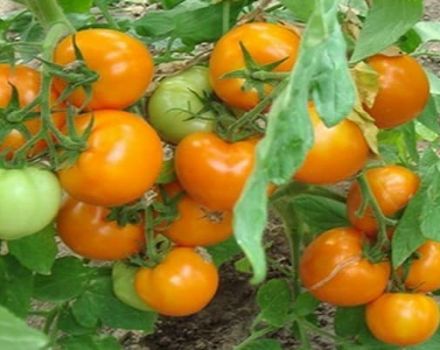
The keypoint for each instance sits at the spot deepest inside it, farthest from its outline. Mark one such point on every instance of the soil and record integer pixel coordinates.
(227, 320)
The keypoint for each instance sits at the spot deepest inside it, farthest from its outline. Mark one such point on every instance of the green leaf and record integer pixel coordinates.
(289, 132)
(386, 22)
(84, 312)
(349, 321)
(305, 304)
(428, 31)
(224, 251)
(274, 299)
(300, 8)
(89, 342)
(193, 21)
(167, 173)
(15, 334)
(429, 116)
(112, 312)
(69, 279)
(16, 286)
(76, 6)
(37, 252)
(262, 344)
(243, 265)
(68, 324)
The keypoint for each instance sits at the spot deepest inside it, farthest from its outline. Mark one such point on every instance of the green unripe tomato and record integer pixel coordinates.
(174, 95)
(123, 286)
(29, 201)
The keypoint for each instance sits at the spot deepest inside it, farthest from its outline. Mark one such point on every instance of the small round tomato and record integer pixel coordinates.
(174, 108)
(196, 225)
(212, 171)
(123, 63)
(424, 272)
(403, 90)
(29, 201)
(334, 270)
(123, 277)
(392, 185)
(84, 228)
(266, 42)
(181, 285)
(338, 152)
(403, 319)
(27, 81)
(122, 160)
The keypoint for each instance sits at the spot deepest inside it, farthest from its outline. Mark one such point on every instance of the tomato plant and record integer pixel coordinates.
(122, 160)
(176, 107)
(30, 199)
(182, 284)
(403, 319)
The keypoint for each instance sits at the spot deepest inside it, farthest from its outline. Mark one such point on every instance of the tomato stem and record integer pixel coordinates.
(48, 13)
(151, 250)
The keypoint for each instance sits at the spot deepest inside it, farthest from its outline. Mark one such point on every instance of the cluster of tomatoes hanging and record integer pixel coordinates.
(123, 159)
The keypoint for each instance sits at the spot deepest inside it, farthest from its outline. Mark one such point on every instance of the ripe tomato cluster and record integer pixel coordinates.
(342, 267)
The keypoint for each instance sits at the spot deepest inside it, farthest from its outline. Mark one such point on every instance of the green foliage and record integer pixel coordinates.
(88, 342)
(224, 251)
(274, 298)
(262, 344)
(76, 6)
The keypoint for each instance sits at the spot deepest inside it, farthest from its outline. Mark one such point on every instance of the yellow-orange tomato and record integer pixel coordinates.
(27, 81)
(85, 229)
(212, 171)
(424, 272)
(334, 270)
(403, 319)
(337, 153)
(181, 285)
(266, 42)
(392, 185)
(124, 65)
(403, 90)
(122, 160)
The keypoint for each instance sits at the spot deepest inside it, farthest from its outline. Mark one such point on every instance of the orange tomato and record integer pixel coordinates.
(403, 90)
(337, 153)
(424, 272)
(403, 319)
(181, 285)
(393, 186)
(85, 229)
(212, 171)
(334, 270)
(122, 160)
(124, 65)
(267, 43)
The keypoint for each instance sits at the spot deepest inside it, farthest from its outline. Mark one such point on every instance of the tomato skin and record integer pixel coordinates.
(122, 161)
(123, 277)
(357, 281)
(29, 201)
(174, 94)
(124, 65)
(85, 230)
(197, 225)
(212, 171)
(181, 285)
(403, 90)
(266, 42)
(392, 185)
(403, 319)
(337, 153)
(424, 272)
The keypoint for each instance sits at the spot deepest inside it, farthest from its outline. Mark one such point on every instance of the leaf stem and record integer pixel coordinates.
(48, 13)
(103, 7)
(254, 336)
(151, 250)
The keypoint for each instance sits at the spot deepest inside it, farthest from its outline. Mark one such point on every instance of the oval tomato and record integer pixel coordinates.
(334, 270)
(123, 277)
(27, 81)
(403, 319)
(124, 65)
(181, 285)
(212, 171)
(337, 153)
(85, 229)
(403, 90)
(122, 160)
(267, 43)
(392, 185)
(167, 107)
(29, 200)
(424, 272)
